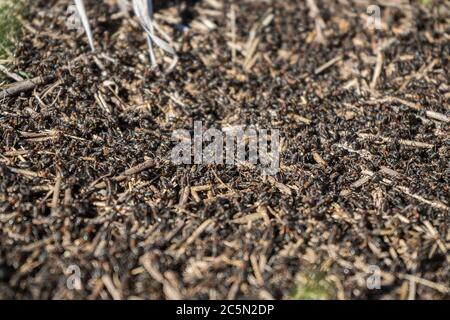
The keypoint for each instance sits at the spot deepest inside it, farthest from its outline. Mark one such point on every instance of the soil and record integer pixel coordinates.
(87, 184)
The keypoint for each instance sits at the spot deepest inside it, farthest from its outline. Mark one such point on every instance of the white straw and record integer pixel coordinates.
(84, 20)
(144, 11)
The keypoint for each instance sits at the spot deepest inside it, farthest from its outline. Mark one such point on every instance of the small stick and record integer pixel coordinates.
(30, 84)
(171, 292)
(248, 218)
(409, 143)
(199, 231)
(184, 196)
(256, 270)
(360, 182)
(433, 203)
(427, 283)
(10, 74)
(282, 187)
(56, 191)
(27, 173)
(107, 281)
(140, 167)
(327, 65)
(67, 197)
(437, 116)
(301, 119)
(420, 74)
(233, 32)
(429, 113)
(26, 85)
(377, 71)
(134, 170)
(319, 159)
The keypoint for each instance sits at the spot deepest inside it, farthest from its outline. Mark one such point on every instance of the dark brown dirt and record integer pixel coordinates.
(365, 162)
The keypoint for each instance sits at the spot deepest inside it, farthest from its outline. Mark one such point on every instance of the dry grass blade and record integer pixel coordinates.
(84, 20)
(25, 85)
(144, 11)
